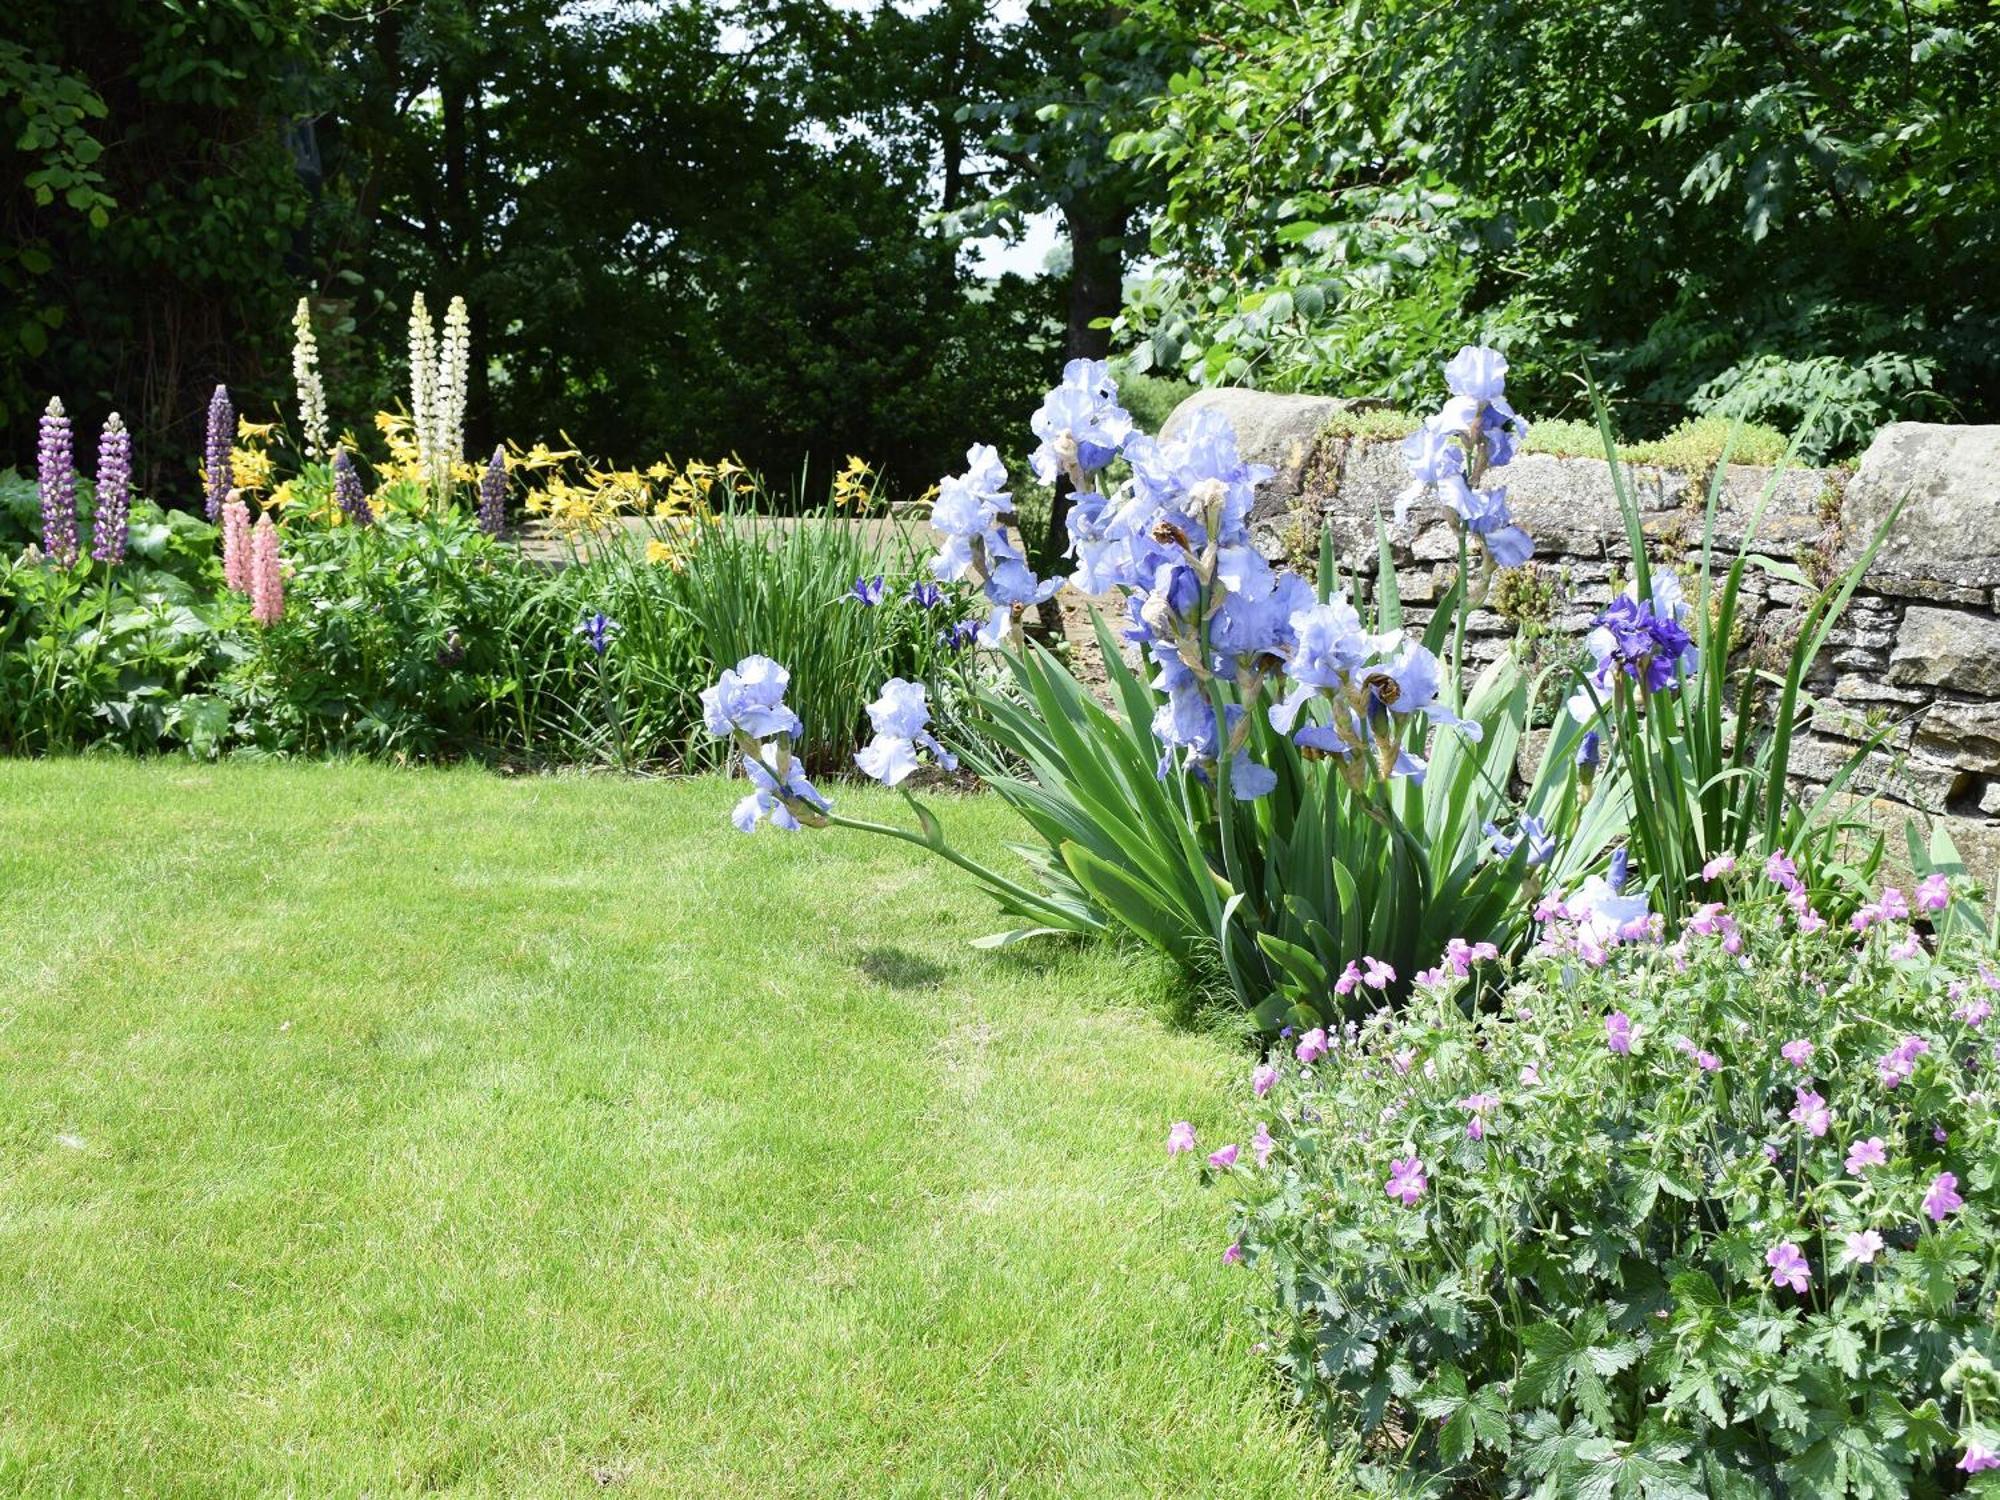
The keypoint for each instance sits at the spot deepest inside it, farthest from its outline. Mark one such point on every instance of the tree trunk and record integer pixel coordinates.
(1096, 289)
(1097, 273)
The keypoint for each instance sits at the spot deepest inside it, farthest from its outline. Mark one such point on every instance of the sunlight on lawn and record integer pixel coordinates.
(390, 1131)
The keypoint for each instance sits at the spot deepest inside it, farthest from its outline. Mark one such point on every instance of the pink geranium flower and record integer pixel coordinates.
(1865, 1154)
(1780, 871)
(1232, 1255)
(1223, 1159)
(1933, 893)
(1406, 1180)
(1261, 1145)
(1180, 1138)
(1618, 1032)
(1798, 1053)
(1978, 1458)
(1862, 1247)
(1788, 1267)
(1312, 1046)
(1811, 1112)
(1941, 1199)
(1262, 1077)
(1721, 865)
(1461, 955)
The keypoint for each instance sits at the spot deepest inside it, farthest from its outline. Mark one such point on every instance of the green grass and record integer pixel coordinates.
(366, 1131)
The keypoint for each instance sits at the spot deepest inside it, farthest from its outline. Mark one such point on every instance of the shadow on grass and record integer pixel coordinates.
(900, 969)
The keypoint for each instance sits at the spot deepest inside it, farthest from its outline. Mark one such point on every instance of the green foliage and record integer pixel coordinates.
(153, 204)
(414, 638)
(1580, 1302)
(782, 589)
(1709, 759)
(121, 657)
(422, 638)
(1737, 208)
(1695, 446)
(1271, 899)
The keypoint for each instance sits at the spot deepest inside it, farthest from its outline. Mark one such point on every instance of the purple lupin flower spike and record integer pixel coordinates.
(56, 468)
(216, 472)
(493, 495)
(114, 492)
(347, 491)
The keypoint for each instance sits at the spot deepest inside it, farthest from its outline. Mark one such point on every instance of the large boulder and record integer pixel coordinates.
(1949, 648)
(1946, 542)
(1279, 430)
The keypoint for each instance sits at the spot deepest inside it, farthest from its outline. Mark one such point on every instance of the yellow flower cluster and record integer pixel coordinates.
(405, 464)
(249, 461)
(594, 498)
(671, 550)
(854, 486)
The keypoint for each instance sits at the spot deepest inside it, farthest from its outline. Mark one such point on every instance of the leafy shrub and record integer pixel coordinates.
(421, 637)
(1835, 403)
(126, 657)
(407, 638)
(1709, 1219)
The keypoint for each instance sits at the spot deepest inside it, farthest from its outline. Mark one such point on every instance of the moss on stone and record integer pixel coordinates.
(1694, 447)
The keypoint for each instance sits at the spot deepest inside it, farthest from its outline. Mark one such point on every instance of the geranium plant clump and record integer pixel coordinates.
(1709, 1217)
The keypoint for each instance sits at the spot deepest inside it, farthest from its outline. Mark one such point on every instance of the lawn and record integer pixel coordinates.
(376, 1131)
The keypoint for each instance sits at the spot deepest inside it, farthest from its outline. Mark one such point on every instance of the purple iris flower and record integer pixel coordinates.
(598, 631)
(1534, 833)
(926, 595)
(868, 591)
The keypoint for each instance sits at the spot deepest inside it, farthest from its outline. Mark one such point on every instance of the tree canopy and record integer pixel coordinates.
(1729, 203)
(715, 226)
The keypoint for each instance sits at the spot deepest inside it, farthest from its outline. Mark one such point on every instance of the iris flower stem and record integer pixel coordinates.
(944, 851)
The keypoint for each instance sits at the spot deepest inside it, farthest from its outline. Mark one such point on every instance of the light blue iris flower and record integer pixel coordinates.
(1534, 833)
(1080, 422)
(769, 792)
(901, 717)
(750, 698)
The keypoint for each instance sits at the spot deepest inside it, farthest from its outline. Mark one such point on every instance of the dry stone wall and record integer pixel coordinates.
(1917, 652)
